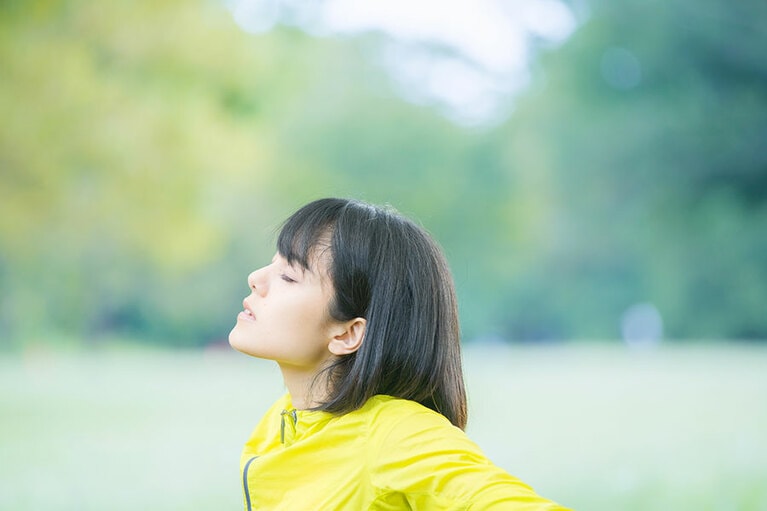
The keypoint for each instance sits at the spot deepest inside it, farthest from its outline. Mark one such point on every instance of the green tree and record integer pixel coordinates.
(649, 123)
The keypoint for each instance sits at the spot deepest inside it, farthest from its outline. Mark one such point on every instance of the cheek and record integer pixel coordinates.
(306, 328)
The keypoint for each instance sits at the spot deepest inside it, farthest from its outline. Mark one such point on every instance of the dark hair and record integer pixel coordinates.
(386, 269)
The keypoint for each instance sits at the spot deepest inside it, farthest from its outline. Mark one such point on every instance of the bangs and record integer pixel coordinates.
(307, 229)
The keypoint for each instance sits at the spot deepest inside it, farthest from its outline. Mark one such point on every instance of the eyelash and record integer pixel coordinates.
(287, 279)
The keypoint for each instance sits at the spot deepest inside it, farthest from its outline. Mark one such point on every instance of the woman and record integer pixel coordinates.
(358, 309)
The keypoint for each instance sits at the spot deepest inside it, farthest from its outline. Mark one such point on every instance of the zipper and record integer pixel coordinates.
(293, 415)
(245, 482)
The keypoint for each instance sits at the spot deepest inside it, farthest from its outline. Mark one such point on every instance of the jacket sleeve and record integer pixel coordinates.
(424, 462)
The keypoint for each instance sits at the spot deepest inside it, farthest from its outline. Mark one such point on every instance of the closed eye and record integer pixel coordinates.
(287, 278)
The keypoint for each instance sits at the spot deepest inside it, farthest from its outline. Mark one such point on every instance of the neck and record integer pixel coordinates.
(299, 383)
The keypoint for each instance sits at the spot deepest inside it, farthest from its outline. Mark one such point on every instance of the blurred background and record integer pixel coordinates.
(595, 171)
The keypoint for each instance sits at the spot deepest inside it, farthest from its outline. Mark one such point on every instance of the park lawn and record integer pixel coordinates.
(595, 427)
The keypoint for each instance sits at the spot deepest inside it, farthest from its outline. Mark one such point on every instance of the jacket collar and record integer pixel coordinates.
(296, 424)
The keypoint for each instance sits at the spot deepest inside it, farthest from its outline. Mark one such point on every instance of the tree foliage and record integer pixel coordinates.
(150, 149)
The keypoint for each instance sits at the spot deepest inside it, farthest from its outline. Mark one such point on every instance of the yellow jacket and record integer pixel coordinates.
(391, 454)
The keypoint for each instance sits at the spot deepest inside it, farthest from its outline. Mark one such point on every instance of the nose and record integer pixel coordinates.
(258, 282)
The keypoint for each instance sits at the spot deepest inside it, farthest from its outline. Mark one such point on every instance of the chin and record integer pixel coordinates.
(234, 339)
(239, 343)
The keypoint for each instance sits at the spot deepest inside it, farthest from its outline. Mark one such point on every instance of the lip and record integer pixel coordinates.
(247, 313)
(244, 316)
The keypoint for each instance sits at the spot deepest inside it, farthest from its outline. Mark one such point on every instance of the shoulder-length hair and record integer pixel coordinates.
(388, 270)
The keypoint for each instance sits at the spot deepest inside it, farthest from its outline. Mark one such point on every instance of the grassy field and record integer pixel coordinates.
(593, 427)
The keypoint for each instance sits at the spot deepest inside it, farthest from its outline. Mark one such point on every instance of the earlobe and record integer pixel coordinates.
(350, 339)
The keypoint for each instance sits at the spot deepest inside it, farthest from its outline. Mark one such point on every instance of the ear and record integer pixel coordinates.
(348, 337)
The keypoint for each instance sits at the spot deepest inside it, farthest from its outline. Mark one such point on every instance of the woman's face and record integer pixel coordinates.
(285, 317)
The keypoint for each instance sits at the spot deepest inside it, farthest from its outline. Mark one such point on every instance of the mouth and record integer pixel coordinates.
(246, 314)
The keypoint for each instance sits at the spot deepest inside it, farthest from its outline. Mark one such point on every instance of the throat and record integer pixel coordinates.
(307, 388)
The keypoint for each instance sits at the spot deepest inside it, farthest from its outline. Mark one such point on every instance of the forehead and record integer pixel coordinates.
(317, 268)
(306, 236)
(305, 247)
(316, 261)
